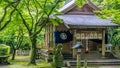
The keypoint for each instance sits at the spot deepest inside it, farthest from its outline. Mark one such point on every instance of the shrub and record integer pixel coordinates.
(4, 50)
(57, 57)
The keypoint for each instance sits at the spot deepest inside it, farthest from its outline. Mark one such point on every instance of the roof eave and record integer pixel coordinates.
(80, 26)
(67, 7)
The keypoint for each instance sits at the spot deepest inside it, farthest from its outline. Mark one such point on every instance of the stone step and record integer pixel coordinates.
(67, 56)
(92, 63)
(89, 64)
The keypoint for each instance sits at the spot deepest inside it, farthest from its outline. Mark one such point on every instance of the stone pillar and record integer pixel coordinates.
(103, 43)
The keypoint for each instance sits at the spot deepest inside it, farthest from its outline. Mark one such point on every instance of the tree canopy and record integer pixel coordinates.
(33, 15)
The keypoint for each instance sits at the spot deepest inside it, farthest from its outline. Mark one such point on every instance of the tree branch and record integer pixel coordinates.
(47, 20)
(24, 22)
(7, 22)
(28, 8)
(34, 1)
(20, 37)
(5, 11)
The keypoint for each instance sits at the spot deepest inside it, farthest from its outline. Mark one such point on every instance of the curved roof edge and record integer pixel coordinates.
(67, 7)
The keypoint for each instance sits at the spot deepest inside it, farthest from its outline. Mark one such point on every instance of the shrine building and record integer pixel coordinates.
(79, 25)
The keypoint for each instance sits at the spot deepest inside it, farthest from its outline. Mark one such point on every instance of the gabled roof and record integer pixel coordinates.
(71, 8)
(75, 17)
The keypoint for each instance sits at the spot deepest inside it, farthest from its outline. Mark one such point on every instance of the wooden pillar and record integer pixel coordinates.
(86, 46)
(74, 42)
(48, 40)
(46, 47)
(103, 43)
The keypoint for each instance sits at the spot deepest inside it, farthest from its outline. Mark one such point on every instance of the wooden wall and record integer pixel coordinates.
(67, 47)
(49, 42)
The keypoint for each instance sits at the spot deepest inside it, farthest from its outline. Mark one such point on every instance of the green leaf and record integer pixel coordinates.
(54, 22)
(80, 3)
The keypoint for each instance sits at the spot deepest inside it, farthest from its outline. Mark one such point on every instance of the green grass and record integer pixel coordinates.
(25, 65)
(22, 62)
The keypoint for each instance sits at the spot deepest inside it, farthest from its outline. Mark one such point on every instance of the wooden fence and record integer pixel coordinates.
(41, 54)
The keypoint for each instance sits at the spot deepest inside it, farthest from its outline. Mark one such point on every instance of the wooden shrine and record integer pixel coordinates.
(83, 25)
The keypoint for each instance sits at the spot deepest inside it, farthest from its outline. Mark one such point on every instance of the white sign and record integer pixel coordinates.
(63, 36)
(89, 35)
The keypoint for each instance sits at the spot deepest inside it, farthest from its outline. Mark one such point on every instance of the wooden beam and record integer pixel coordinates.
(103, 43)
(74, 42)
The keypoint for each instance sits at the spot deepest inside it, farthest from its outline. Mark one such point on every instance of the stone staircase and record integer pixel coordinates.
(91, 55)
(72, 64)
(93, 59)
(67, 56)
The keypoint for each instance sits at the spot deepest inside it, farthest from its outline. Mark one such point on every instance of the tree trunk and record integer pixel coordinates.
(13, 55)
(33, 51)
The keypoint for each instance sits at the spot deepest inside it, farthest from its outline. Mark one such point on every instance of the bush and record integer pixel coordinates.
(57, 57)
(117, 51)
(4, 50)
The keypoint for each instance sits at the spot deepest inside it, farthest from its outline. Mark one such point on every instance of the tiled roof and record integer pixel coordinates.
(86, 20)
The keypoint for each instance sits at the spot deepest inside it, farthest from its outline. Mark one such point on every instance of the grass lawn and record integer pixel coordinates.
(22, 62)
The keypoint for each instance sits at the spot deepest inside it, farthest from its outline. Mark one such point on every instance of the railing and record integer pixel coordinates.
(41, 54)
(23, 52)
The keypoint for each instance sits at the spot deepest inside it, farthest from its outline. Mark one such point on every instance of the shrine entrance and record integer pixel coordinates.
(91, 45)
(91, 40)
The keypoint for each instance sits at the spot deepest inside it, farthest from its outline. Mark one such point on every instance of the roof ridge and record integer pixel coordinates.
(67, 7)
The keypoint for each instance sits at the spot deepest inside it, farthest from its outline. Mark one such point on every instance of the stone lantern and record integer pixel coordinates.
(108, 47)
(78, 46)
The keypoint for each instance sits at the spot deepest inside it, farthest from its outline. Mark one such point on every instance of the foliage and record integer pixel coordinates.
(32, 14)
(110, 10)
(40, 38)
(114, 36)
(4, 50)
(117, 51)
(80, 3)
(57, 56)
